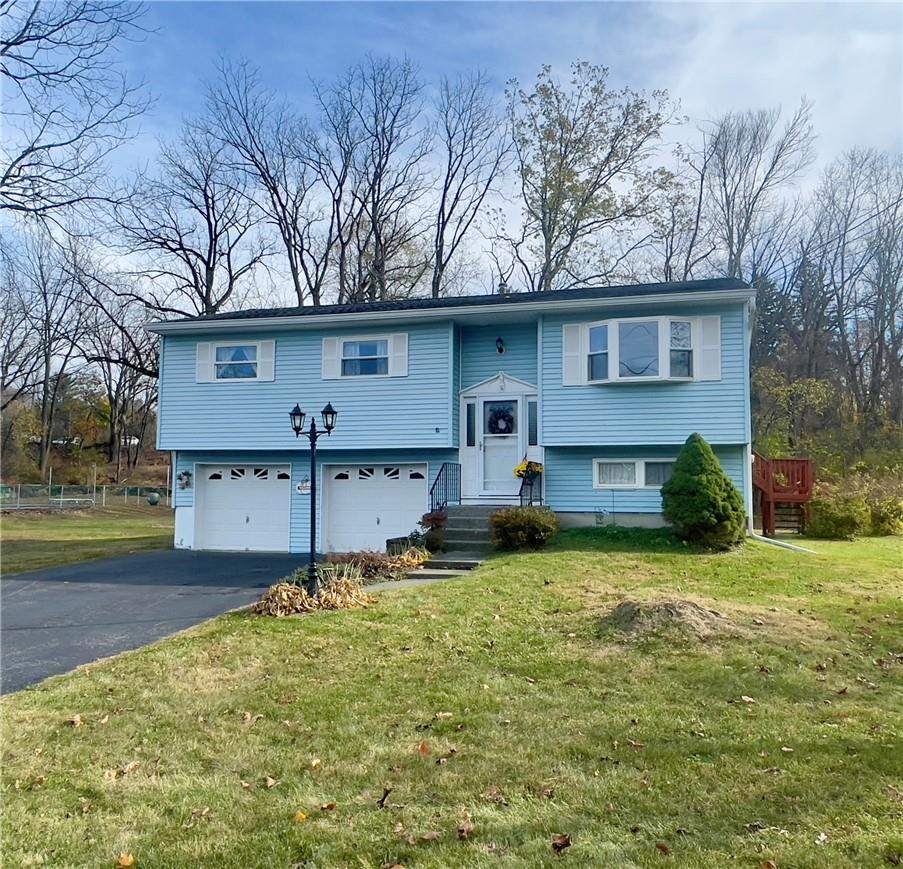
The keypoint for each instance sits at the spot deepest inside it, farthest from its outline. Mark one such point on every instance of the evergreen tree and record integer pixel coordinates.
(701, 501)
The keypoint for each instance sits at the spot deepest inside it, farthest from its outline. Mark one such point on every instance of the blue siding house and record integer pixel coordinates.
(602, 386)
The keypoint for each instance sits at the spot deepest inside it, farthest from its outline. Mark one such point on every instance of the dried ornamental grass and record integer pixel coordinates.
(340, 588)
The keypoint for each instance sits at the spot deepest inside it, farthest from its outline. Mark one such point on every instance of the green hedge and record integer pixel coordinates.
(522, 527)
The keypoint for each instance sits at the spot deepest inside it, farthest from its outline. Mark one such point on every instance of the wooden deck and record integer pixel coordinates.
(784, 486)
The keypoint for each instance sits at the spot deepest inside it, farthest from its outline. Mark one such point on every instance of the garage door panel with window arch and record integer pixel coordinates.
(243, 507)
(368, 504)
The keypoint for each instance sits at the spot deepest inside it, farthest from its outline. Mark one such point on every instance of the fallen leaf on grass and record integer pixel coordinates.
(768, 864)
(327, 807)
(249, 718)
(126, 861)
(74, 721)
(271, 782)
(786, 749)
(746, 699)
(104, 720)
(195, 816)
(131, 766)
(560, 842)
(381, 802)
(494, 795)
(842, 691)
(820, 839)
(465, 828)
(636, 746)
(430, 836)
(423, 749)
(662, 848)
(315, 763)
(300, 817)
(246, 785)
(442, 716)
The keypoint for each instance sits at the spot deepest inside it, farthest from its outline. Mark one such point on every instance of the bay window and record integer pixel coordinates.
(632, 350)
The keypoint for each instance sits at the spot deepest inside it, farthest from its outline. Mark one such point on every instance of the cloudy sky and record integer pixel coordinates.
(714, 57)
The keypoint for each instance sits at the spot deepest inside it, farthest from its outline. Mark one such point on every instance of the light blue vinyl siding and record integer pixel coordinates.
(377, 413)
(480, 359)
(300, 463)
(569, 477)
(456, 386)
(656, 413)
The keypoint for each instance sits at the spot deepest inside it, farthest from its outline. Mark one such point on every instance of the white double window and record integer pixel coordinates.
(235, 361)
(365, 356)
(631, 473)
(641, 349)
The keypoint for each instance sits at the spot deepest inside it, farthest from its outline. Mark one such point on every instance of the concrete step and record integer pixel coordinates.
(456, 560)
(476, 533)
(484, 510)
(475, 522)
(468, 544)
(430, 572)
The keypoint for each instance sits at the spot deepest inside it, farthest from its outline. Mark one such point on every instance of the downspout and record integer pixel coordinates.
(780, 543)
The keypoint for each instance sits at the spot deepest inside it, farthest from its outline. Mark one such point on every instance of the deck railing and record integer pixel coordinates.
(446, 487)
(784, 480)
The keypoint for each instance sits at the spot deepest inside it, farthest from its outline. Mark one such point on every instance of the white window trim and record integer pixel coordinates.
(664, 350)
(387, 338)
(214, 363)
(639, 473)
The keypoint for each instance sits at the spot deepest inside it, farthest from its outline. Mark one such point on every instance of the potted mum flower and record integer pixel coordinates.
(528, 470)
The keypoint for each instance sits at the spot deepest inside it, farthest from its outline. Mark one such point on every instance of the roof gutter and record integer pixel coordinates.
(313, 321)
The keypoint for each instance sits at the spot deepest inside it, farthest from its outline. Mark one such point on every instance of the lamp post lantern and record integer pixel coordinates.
(296, 415)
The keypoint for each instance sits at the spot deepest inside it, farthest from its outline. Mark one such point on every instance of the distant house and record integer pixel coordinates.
(602, 386)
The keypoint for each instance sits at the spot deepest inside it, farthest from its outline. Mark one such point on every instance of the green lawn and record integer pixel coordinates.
(29, 541)
(494, 701)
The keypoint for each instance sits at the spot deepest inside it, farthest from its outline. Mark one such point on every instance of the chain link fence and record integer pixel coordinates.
(27, 496)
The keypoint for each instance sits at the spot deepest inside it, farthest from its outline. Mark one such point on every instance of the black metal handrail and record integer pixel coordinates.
(531, 490)
(446, 487)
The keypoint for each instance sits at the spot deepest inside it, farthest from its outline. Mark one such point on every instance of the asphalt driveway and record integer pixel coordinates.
(53, 620)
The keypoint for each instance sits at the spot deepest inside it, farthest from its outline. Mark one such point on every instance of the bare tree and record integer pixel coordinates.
(750, 163)
(66, 105)
(195, 222)
(274, 147)
(474, 149)
(20, 351)
(382, 101)
(55, 314)
(581, 154)
(860, 235)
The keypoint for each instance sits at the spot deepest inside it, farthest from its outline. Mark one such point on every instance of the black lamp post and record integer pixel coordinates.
(329, 414)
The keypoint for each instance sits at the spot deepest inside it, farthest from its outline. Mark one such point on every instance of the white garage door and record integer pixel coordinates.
(368, 504)
(243, 507)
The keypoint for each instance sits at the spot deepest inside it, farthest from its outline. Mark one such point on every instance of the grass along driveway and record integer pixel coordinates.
(497, 715)
(31, 541)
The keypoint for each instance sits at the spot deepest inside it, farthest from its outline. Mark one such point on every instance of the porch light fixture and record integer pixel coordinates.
(500, 345)
(328, 415)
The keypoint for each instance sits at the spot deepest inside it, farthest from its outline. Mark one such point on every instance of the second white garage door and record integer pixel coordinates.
(368, 504)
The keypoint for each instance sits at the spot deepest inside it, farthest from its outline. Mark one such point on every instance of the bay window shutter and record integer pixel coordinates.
(332, 362)
(204, 363)
(398, 355)
(573, 354)
(710, 348)
(266, 360)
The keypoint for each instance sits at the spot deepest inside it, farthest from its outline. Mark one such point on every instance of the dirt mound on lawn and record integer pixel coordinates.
(642, 618)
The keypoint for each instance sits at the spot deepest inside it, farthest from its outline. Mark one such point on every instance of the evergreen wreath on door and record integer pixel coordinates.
(501, 421)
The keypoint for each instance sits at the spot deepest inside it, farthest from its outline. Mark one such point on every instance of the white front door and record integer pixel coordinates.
(369, 504)
(502, 451)
(243, 507)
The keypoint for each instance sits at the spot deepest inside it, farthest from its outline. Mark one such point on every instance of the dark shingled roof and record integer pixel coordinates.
(716, 285)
